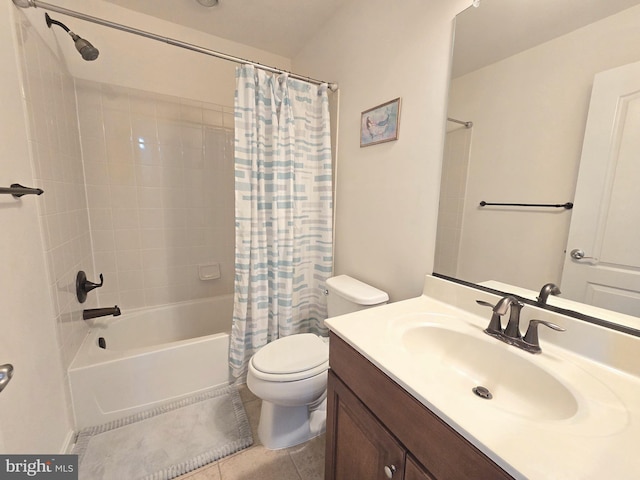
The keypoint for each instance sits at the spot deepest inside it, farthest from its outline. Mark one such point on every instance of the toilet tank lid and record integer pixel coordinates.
(356, 291)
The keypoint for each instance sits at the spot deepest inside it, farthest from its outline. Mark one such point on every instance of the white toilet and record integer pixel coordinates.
(290, 374)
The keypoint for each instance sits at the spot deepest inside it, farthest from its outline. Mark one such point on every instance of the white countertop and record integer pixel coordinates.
(600, 441)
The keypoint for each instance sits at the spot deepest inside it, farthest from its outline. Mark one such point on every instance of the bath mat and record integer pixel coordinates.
(167, 441)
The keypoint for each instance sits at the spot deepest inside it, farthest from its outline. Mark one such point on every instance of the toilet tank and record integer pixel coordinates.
(346, 295)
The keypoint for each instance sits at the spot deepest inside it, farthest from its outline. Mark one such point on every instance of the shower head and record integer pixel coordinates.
(88, 51)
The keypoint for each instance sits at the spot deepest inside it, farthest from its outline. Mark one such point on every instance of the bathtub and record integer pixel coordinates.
(150, 357)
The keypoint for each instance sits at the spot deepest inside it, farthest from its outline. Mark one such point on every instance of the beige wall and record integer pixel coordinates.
(529, 113)
(387, 194)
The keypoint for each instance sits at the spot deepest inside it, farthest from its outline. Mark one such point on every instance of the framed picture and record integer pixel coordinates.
(380, 124)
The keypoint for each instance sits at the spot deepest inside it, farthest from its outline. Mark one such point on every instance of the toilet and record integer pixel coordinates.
(290, 374)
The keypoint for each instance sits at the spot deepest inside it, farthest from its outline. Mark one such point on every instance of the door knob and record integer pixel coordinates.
(389, 470)
(578, 254)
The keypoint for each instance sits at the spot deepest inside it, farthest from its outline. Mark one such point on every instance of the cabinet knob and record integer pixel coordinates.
(389, 470)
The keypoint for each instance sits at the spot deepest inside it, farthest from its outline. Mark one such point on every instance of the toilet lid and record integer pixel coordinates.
(292, 354)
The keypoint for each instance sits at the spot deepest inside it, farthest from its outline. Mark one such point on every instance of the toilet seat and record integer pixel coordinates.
(291, 358)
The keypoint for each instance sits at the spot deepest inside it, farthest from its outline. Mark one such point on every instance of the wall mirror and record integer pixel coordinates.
(519, 102)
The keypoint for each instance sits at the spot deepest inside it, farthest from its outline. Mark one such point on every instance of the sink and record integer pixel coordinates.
(448, 359)
(460, 361)
(573, 409)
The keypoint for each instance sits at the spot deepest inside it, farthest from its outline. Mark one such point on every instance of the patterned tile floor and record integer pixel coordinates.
(302, 462)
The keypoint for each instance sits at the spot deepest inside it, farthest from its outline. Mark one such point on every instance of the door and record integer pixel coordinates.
(602, 262)
(358, 447)
(413, 470)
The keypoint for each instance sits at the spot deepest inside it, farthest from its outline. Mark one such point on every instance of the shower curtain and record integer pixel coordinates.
(283, 204)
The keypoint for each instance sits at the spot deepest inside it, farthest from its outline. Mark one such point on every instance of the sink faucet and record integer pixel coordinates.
(511, 334)
(546, 290)
(100, 312)
(513, 326)
(495, 324)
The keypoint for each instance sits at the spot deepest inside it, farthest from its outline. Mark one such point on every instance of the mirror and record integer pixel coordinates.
(522, 75)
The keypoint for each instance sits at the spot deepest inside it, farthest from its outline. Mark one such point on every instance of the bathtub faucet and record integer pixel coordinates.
(100, 312)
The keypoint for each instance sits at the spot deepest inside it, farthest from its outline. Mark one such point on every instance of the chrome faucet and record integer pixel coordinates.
(511, 334)
(546, 290)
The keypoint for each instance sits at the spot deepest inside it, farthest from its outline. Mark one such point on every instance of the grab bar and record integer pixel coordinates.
(18, 190)
(567, 205)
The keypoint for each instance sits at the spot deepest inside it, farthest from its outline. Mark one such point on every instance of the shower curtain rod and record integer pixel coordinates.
(466, 124)
(177, 43)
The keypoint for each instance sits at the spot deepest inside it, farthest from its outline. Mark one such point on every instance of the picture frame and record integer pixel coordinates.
(380, 124)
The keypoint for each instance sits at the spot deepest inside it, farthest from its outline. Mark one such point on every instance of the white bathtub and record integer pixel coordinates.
(152, 356)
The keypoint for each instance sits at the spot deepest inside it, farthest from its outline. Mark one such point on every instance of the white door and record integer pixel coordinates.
(602, 262)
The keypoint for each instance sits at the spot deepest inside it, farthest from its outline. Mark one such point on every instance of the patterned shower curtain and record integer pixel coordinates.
(283, 195)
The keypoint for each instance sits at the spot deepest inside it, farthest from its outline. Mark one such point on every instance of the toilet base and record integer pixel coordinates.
(282, 427)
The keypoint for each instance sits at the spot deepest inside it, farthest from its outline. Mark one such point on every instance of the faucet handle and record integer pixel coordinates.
(495, 324)
(531, 337)
(84, 286)
(484, 304)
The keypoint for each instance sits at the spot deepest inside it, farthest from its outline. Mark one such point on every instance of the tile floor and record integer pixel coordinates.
(302, 462)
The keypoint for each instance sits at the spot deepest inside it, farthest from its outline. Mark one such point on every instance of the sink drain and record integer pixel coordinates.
(482, 392)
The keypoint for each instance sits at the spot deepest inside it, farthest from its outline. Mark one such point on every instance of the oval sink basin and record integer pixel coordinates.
(461, 361)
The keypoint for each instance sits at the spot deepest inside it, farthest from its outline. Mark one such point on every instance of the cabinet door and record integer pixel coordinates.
(358, 446)
(414, 471)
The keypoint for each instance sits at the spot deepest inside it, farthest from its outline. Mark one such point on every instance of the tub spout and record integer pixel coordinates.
(100, 312)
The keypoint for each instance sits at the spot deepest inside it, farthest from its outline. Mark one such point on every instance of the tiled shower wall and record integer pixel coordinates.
(57, 165)
(160, 188)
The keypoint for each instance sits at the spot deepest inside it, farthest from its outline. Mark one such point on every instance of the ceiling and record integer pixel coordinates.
(484, 35)
(498, 29)
(277, 26)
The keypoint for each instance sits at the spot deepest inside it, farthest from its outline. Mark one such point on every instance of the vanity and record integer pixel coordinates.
(418, 391)
(377, 430)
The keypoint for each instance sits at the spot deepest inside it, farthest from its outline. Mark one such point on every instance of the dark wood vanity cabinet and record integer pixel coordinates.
(363, 447)
(376, 430)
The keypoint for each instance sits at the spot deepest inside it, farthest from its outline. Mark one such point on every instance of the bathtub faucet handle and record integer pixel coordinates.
(84, 286)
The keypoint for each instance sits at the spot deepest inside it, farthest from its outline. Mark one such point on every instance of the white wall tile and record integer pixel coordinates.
(119, 149)
(144, 128)
(96, 173)
(123, 196)
(151, 218)
(159, 216)
(151, 238)
(146, 153)
(125, 218)
(55, 147)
